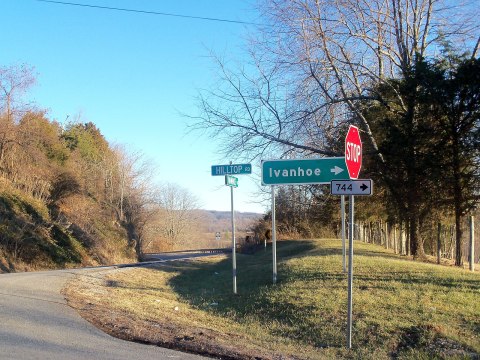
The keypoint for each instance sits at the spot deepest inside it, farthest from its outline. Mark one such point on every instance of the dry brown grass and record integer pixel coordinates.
(403, 309)
(139, 305)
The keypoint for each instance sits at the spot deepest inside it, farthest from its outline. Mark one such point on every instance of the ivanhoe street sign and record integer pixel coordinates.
(303, 171)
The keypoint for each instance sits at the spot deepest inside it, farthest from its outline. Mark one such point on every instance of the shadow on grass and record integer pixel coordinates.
(422, 280)
(280, 309)
(254, 272)
(209, 287)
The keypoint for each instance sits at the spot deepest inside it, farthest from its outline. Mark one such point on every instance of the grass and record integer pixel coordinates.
(28, 238)
(31, 240)
(402, 309)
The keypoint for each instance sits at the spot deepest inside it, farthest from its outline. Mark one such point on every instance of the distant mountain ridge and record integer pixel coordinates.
(214, 220)
(245, 215)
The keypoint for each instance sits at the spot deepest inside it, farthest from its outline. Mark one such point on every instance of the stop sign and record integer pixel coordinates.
(353, 152)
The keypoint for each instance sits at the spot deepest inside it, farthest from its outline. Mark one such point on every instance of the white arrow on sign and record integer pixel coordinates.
(336, 170)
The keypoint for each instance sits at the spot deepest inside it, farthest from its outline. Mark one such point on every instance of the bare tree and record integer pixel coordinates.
(140, 212)
(14, 83)
(125, 172)
(135, 201)
(176, 213)
(313, 65)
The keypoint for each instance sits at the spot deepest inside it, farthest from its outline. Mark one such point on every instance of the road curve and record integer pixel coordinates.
(37, 323)
(184, 255)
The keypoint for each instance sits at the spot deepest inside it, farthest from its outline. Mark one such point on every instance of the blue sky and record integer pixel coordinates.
(132, 75)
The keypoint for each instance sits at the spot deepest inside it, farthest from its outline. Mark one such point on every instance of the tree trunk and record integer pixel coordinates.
(419, 251)
(413, 236)
(439, 243)
(458, 240)
(452, 241)
(458, 199)
(387, 235)
(408, 244)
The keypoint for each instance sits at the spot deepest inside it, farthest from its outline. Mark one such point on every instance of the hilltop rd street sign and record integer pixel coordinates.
(232, 169)
(353, 152)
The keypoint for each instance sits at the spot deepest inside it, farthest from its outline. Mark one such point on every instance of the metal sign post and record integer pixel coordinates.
(353, 160)
(472, 243)
(342, 209)
(350, 271)
(234, 246)
(349, 188)
(274, 238)
(232, 181)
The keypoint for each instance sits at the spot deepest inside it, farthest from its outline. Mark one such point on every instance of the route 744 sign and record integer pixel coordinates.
(351, 187)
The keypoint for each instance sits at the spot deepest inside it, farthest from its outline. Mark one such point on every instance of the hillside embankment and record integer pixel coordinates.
(32, 239)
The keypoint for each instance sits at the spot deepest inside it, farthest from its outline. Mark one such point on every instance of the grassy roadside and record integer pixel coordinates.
(402, 309)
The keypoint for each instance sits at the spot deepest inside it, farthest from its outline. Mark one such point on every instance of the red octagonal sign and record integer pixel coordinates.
(353, 152)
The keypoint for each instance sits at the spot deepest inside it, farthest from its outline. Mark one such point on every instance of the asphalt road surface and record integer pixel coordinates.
(181, 255)
(36, 323)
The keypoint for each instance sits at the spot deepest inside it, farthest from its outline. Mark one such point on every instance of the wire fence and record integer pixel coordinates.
(441, 236)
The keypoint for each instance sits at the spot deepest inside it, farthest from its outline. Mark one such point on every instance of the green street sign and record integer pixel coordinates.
(231, 181)
(232, 169)
(303, 171)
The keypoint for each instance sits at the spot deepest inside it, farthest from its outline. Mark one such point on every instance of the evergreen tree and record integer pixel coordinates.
(451, 96)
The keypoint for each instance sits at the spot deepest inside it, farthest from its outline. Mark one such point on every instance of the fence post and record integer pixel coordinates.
(403, 239)
(387, 236)
(395, 238)
(452, 241)
(439, 243)
(400, 237)
(472, 243)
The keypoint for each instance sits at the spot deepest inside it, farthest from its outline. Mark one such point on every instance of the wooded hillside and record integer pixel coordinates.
(67, 196)
(63, 196)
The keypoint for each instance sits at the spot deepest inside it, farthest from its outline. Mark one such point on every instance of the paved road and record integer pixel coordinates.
(180, 255)
(36, 323)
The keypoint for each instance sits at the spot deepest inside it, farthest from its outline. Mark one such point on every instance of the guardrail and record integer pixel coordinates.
(149, 256)
(193, 251)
